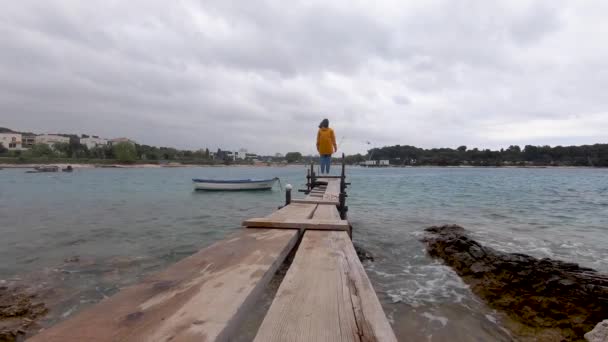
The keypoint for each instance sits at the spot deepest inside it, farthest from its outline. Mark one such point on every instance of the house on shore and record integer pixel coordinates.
(11, 141)
(28, 140)
(376, 163)
(51, 139)
(93, 142)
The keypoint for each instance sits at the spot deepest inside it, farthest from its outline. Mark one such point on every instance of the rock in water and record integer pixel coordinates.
(18, 310)
(538, 293)
(599, 333)
(363, 254)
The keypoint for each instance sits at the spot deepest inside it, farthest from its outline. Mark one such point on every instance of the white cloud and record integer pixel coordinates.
(262, 74)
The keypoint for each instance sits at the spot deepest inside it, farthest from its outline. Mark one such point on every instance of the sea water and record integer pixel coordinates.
(85, 234)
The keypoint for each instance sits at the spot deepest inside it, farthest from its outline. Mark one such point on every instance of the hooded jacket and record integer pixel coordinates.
(326, 140)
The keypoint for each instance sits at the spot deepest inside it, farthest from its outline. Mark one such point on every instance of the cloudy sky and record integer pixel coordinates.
(262, 74)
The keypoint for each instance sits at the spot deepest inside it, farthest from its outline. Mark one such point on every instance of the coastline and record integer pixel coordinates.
(131, 166)
(78, 165)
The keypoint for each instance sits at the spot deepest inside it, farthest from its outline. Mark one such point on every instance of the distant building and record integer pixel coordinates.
(376, 163)
(239, 155)
(251, 156)
(28, 140)
(11, 141)
(51, 139)
(93, 142)
(278, 155)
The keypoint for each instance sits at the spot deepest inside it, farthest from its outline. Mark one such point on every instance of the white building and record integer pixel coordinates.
(369, 163)
(383, 162)
(93, 142)
(11, 141)
(51, 139)
(241, 154)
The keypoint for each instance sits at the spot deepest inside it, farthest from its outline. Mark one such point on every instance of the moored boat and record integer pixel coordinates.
(234, 184)
(41, 169)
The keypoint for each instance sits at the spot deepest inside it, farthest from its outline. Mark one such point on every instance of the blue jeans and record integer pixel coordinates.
(325, 163)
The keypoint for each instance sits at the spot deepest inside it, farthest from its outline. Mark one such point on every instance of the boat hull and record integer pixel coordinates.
(234, 186)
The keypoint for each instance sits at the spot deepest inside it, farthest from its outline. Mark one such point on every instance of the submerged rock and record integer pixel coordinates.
(18, 310)
(363, 254)
(599, 333)
(550, 297)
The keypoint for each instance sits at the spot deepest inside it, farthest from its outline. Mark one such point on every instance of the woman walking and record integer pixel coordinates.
(326, 145)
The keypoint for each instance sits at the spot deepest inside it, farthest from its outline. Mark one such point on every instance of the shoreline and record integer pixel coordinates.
(130, 166)
(177, 164)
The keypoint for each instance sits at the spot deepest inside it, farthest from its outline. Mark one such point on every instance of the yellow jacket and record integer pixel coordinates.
(326, 141)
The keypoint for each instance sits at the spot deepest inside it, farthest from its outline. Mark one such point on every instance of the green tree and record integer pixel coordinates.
(293, 157)
(125, 152)
(41, 150)
(3, 149)
(62, 149)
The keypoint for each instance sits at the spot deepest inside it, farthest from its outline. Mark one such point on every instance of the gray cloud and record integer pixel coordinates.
(262, 74)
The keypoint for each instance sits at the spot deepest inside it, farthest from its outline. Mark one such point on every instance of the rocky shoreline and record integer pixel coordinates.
(548, 300)
(18, 312)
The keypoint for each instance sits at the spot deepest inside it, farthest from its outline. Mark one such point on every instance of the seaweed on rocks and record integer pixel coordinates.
(18, 311)
(363, 254)
(546, 297)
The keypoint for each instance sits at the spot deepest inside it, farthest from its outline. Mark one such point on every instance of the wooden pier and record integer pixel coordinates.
(325, 295)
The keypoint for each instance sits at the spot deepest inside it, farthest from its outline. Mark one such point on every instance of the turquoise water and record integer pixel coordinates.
(125, 223)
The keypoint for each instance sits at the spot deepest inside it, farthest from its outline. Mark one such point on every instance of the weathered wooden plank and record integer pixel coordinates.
(333, 187)
(294, 211)
(316, 194)
(326, 212)
(201, 298)
(325, 296)
(318, 224)
(331, 197)
(314, 201)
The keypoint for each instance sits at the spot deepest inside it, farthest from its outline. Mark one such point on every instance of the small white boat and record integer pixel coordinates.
(235, 184)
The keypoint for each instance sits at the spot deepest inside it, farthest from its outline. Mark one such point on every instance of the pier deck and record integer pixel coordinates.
(325, 295)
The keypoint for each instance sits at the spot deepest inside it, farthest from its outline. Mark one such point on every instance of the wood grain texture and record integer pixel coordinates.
(333, 187)
(325, 296)
(318, 224)
(201, 298)
(314, 201)
(326, 212)
(294, 210)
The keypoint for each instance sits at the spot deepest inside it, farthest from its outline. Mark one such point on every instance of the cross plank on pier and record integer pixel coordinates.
(314, 223)
(315, 200)
(293, 211)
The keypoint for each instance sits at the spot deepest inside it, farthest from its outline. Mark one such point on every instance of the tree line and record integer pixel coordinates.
(123, 152)
(585, 155)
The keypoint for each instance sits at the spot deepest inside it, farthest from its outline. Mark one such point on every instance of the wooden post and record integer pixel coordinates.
(288, 194)
(342, 198)
(308, 181)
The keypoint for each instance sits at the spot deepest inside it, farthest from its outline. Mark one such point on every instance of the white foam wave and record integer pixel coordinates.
(434, 318)
(425, 284)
